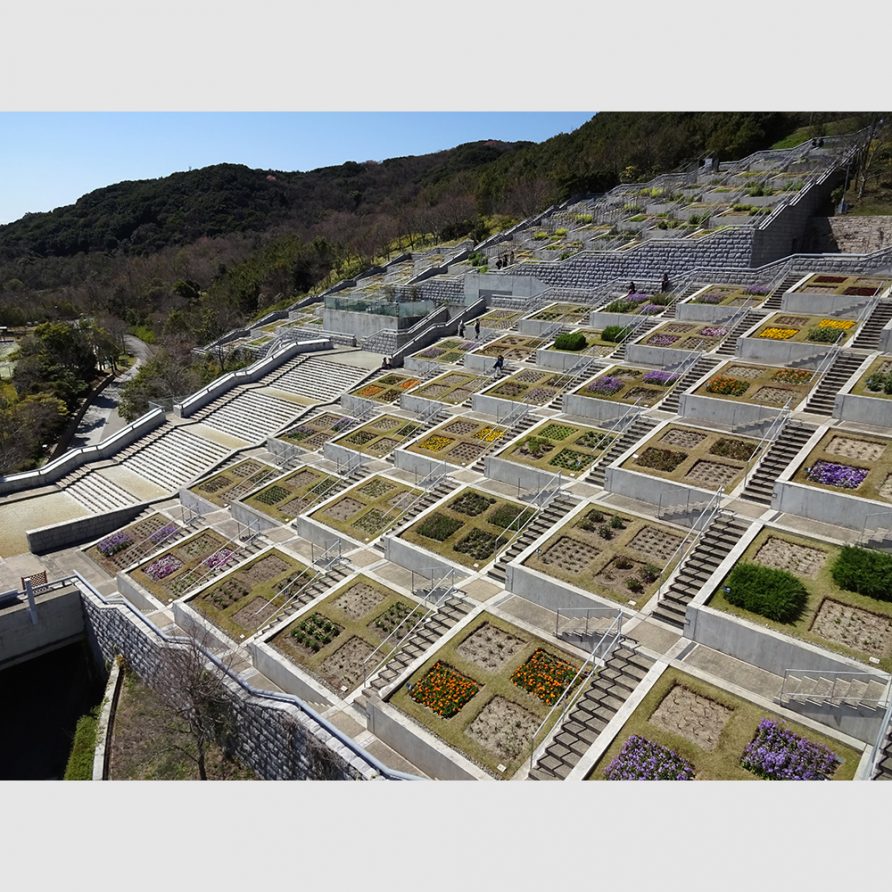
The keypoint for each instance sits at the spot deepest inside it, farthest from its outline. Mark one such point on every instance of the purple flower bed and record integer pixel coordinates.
(776, 753)
(637, 298)
(664, 379)
(164, 566)
(162, 534)
(757, 289)
(710, 299)
(642, 759)
(713, 332)
(662, 340)
(218, 558)
(652, 309)
(831, 473)
(608, 384)
(113, 544)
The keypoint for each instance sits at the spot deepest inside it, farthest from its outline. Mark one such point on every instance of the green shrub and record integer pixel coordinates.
(439, 527)
(823, 335)
(864, 571)
(570, 340)
(506, 515)
(775, 594)
(80, 759)
(614, 333)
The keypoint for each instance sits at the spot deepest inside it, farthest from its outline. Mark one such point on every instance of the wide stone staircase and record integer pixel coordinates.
(776, 296)
(450, 612)
(792, 438)
(611, 687)
(729, 345)
(703, 365)
(250, 415)
(641, 426)
(96, 493)
(844, 366)
(321, 380)
(550, 515)
(711, 549)
(176, 458)
(869, 336)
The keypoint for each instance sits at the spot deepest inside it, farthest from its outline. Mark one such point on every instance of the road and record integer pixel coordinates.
(101, 419)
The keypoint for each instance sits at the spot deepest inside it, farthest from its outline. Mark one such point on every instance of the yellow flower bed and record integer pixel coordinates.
(841, 324)
(779, 334)
(435, 443)
(488, 434)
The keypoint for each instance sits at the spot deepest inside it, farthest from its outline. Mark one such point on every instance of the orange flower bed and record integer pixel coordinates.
(444, 690)
(544, 675)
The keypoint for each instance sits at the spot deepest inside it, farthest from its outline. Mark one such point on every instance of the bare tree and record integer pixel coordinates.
(321, 762)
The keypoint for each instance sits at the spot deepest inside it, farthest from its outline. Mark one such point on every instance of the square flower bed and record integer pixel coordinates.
(515, 348)
(801, 328)
(876, 381)
(758, 384)
(686, 336)
(470, 528)
(859, 464)
(557, 447)
(731, 295)
(177, 570)
(616, 556)
(596, 341)
(446, 350)
(698, 457)
(529, 386)
(353, 621)
(637, 304)
(452, 387)
(562, 312)
(854, 623)
(293, 494)
(856, 286)
(624, 384)
(317, 431)
(380, 436)
(459, 441)
(388, 388)
(233, 482)
(242, 600)
(498, 319)
(664, 739)
(485, 692)
(367, 509)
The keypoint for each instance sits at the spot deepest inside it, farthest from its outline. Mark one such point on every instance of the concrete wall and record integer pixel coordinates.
(251, 517)
(654, 490)
(285, 674)
(823, 304)
(726, 414)
(662, 357)
(828, 507)
(84, 529)
(801, 354)
(59, 621)
(76, 458)
(479, 285)
(597, 410)
(687, 311)
(414, 558)
(525, 478)
(863, 409)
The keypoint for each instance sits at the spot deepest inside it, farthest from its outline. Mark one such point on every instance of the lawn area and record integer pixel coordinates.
(714, 744)
(846, 622)
(486, 691)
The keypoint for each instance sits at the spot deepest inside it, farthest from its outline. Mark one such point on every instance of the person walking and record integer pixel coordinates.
(665, 284)
(499, 364)
(461, 329)
(477, 329)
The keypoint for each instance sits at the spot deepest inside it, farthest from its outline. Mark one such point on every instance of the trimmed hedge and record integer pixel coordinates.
(864, 571)
(614, 333)
(570, 340)
(771, 593)
(80, 759)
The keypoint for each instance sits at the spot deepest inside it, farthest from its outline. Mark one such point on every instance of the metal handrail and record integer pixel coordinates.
(587, 612)
(881, 736)
(833, 677)
(768, 440)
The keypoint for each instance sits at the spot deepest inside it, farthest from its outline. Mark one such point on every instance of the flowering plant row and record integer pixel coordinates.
(834, 474)
(643, 759)
(218, 558)
(444, 690)
(727, 386)
(544, 675)
(792, 376)
(713, 332)
(779, 334)
(609, 384)
(664, 379)
(776, 753)
(164, 566)
(111, 545)
(662, 340)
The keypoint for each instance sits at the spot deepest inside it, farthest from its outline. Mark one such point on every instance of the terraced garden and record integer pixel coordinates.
(686, 336)
(499, 319)
(446, 350)
(806, 329)
(380, 436)
(233, 482)
(133, 542)
(387, 389)
(335, 639)
(761, 385)
(562, 312)
(470, 529)
(459, 441)
(637, 303)
(515, 348)
(553, 446)
(856, 286)
(628, 384)
(316, 432)
(529, 386)
(731, 295)
(687, 729)
(486, 691)
(287, 497)
(452, 387)
(592, 341)
(876, 380)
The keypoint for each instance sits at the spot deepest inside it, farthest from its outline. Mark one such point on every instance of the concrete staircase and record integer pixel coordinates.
(641, 426)
(711, 549)
(791, 439)
(844, 366)
(869, 336)
(883, 770)
(570, 383)
(452, 611)
(729, 345)
(98, 494)
(251, 415)
(703, 365)
(548, 517)
(820, 689)
(642, 328)
(776, 296)
(176, 458)
(434, 494)
(611, 687)
(321, 380)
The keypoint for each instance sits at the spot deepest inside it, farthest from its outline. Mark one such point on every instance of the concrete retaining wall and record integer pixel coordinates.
(252, 518)
(662, 357)
(726, 414)
(525, 478)
(597, 410)
(84, 529)
(413, 558)
(654, 490)
(863, 409)
(789, 353)
(59, 621)
(823, 304)
(828, 507)
(693, 312)
(277, 669)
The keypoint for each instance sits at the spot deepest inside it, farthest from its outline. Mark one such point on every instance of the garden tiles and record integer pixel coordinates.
(316, 432)
(452, 388)
(562, 312)
(335, 638)
(368, 509)
(499, 319)
(380, 436)
(529, 386)
(386, 389)
(609, 554)
(248, 596)
(637, 304)
(852, 464)
(698, 457)
(171, 573)
(470, 529)
(731, 295)
(685, 336)
(515, 348)
(758, 384)
(487, 690)
(446, 350)
(133, 542)
(289, 496)
(836, 619)
(850, 286)
(570, 449)
(233, 482)
(801, 328)
(688, 729)
(624, 384)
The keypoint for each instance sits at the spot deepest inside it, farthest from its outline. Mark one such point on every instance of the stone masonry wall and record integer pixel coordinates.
(277, 740)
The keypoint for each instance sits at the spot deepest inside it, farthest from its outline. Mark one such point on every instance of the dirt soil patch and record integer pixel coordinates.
(854, 627)
(490, 647)
(346, 665)
(359, 600)
(504, 728)
(694, 717)
(783, 555)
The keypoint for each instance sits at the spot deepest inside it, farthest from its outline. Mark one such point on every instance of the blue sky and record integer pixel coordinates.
(50, 159)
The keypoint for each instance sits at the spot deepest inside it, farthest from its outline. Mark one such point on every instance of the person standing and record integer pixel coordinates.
(461, 328)
(665, 284)
(499, 364)
(477, 329)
